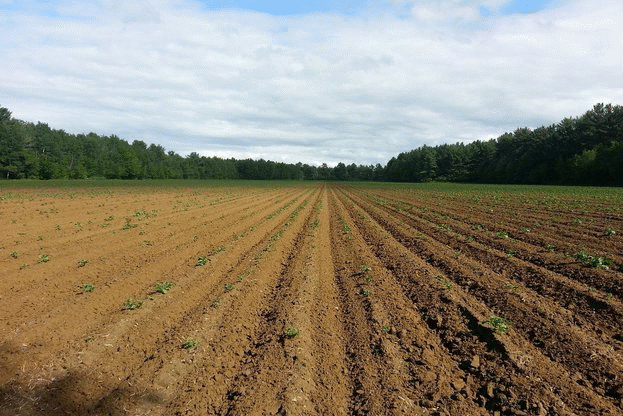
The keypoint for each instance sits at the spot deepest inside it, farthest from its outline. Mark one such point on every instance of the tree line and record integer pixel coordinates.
(586, 150)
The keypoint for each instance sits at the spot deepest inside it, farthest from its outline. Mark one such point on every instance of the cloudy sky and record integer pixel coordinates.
(312, 81)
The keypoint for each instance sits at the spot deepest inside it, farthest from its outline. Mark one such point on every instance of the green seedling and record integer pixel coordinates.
(43, 258)
(203, 260)
(82, 262)
(190, 343)
(132, 304)
(502, 234)
(609, 231)
(292, 332)
(365, 268)
(499, 324)
(593, 261)
(14, 254)
(163, 287)
(550, 248)
(88, 287)
(229, 287)
(366, 292)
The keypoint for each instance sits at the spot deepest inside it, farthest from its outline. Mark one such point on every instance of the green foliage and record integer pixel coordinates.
(132, 304)
(88, 287)
(203, 260)
(163, 287)
(365, 268)
(83, 262)
(292, 332)
(582, 150)
(43, 258)
(593, 261)
(499, 324)
(190, 343)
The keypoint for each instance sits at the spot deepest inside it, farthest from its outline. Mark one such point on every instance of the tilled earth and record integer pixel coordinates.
(309, 299)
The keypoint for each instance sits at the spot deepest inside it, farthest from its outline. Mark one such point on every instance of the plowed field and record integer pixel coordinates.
(311, 299)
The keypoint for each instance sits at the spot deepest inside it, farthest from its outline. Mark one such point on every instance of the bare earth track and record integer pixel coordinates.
(310, 299)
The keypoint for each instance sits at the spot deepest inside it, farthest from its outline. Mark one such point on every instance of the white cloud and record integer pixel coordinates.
(313, 88)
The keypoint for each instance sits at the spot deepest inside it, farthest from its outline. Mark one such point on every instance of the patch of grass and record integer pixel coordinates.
(190, 343)
(132, 304)
(163, 287)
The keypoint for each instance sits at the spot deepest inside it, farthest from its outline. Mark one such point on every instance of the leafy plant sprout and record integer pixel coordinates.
(229, 287)
(88, 287)
(163, 287)
(593, 261)
(132, 304)
(609, 231)
(83, 262)
(499, 324)
(365, 268)
(502, 234)
(203, 260)
(190, 343)
(43, 258)
(292, 332)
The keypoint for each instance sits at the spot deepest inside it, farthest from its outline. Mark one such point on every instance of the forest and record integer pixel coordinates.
(585, 150)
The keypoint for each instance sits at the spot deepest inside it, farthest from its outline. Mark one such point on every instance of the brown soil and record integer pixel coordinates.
(314, 299)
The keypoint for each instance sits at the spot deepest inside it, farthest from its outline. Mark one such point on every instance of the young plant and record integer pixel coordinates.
(88, 287)
(163, 287)
(609, 231)
(499, 324)
(43, 258)
(292, 332)
(132, 304)
(203, 260)
(593, 261)
(190, 343)
(229, 287)
(365, 268)
(82, 262)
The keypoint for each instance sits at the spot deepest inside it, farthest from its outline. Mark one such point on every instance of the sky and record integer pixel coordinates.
(313, 81)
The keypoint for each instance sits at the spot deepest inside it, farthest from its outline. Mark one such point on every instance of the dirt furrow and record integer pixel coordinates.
(119, 330)
(465, 312)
